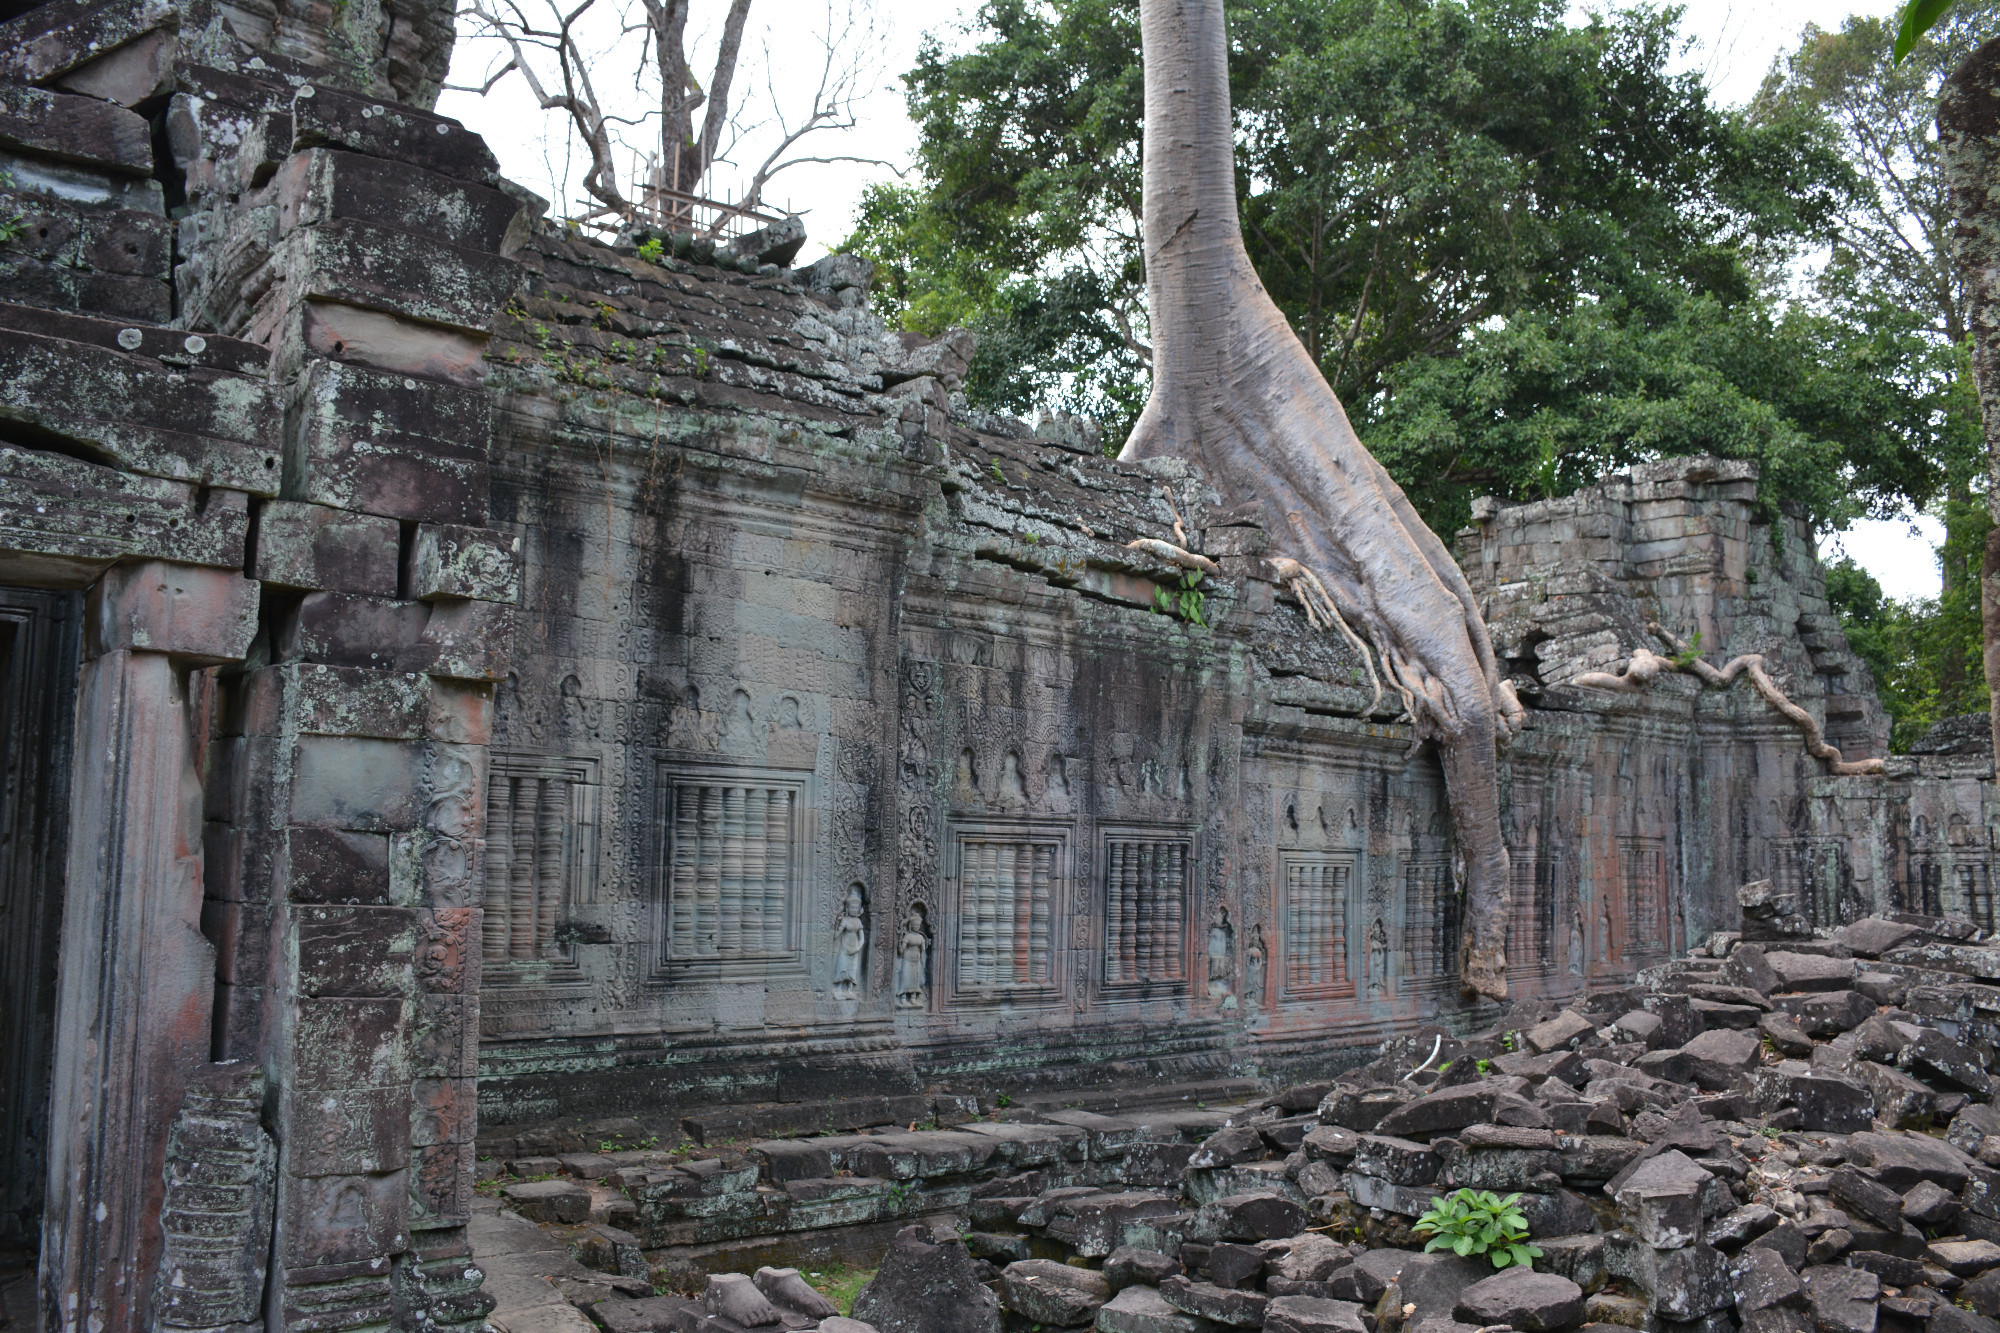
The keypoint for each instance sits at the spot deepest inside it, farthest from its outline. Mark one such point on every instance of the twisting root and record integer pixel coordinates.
(1174, 555)
(1323, 612)
(1645, 665)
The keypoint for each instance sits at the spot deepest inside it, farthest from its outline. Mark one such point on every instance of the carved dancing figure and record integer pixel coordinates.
(912, 952)
(1253, 968)
(1378, 958)
(1221, 950)
(1576, 941)
(850, 940)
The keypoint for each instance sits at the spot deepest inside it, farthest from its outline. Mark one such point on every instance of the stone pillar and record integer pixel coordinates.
(136, 977)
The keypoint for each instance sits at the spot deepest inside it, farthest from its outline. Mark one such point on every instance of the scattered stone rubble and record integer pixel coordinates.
(1783, 1134)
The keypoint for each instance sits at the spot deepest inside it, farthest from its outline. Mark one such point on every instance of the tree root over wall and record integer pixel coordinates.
(1646, 665)
(1234, 390)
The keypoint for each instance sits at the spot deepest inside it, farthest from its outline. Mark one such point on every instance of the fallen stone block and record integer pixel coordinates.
(1374, 1192)
(1580, 1258)
(1829, 1013)
(1746, 966)
(1964, 1258)
(1232, 1265)
(1841, 1300)
(1399, 1161)
(1901, 1160)
(1686, 1283)
(1761, 1281)
(1128, 1265)
(1899, 1099)
(1253, 1217)
(1447, 1109)
(1810, 972)
(1719, 1059)
(1861, 1194)
(1368, 1276)
(1520, 1297)
(1308, 1314)
(1046, 1292)
(923, 1287)
(1239, 1309)
(1929, 1205)
(562, 1201)
(1361, 1109)
(1141, 1309)
(1661, 1200)
(1873, 936)
(1938, 1059)
(1308, 1257)
(1227, 1147)
(1558, 1032)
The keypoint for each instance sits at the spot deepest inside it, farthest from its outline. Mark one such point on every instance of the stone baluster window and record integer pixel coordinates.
(732, 869)
(541, 824)
(1314, 923)
(1145, 913)
(1430, 922)
(1535, 911)
(1643, 874)
(1008, 895)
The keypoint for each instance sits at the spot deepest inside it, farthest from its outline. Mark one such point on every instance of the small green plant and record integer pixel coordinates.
(1510, 1041)
(1685, 658)
(650, 249)
(701, 363)
(1483, 1066)
(1030, 538)
(998, 475)
(1003, 1100)
(1184, 601)
(1473, 1222)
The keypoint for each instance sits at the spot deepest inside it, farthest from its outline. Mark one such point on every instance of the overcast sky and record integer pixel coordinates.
(1734, 43)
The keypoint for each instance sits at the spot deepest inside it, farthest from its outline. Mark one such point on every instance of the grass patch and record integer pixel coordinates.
(838, 1284)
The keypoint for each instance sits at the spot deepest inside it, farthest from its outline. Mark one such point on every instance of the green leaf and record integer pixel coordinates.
(1437, 1243)
(1462, 1246)
(1499, 1258)
(1919, 17)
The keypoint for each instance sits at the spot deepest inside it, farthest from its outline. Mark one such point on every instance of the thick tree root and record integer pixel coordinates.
(1235, 392)
(1646, 665)
(1174, 555)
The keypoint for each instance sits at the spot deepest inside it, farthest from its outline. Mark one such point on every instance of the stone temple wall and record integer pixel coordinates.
(459, 673)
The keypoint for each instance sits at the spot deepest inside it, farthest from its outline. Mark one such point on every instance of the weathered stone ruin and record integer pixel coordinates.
(484, 704)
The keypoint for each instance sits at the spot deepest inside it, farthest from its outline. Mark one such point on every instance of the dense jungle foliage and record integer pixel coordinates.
(1523, 252)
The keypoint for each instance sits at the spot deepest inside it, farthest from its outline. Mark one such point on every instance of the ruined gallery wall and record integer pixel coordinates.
(795, 592)
(835, 743)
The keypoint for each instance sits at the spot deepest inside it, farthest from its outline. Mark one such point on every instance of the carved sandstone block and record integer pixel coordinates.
(452, 562)
(206, 614)
(317, 548)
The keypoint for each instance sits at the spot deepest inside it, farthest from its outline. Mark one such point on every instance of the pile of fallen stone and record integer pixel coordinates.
(1781, 1135)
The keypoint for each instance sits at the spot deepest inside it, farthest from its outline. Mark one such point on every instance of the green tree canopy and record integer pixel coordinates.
(1521, 250)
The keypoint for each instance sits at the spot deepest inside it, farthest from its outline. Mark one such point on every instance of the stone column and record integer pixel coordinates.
(136, 977)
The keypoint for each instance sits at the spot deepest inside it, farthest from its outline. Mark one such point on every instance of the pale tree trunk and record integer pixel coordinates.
(1969, 138)
(1234, 390)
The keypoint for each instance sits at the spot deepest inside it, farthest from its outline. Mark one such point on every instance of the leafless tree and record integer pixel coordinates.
(686, 128)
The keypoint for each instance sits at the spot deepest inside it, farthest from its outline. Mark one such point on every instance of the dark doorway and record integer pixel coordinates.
(39, 642)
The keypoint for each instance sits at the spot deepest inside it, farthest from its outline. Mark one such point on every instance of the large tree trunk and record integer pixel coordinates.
(1969, 135)
(1234, 389)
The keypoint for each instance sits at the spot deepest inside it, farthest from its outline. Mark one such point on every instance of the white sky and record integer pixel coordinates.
(1735, 42)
